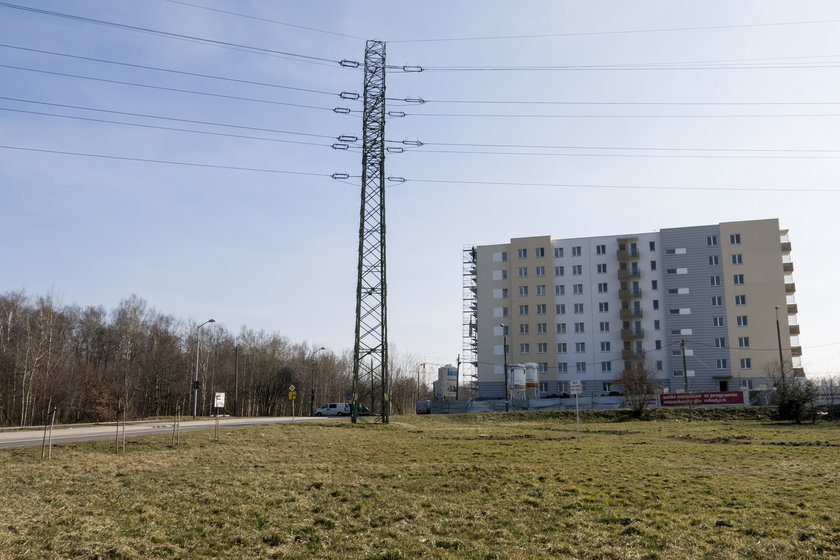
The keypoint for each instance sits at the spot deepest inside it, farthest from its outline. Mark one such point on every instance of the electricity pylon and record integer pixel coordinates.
(371, 345)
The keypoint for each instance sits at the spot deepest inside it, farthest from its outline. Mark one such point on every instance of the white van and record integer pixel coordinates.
(334, 409)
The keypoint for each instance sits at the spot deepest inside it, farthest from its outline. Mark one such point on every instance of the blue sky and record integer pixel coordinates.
(746, 90)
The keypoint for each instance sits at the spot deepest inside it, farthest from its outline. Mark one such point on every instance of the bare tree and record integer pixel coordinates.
(639, 383)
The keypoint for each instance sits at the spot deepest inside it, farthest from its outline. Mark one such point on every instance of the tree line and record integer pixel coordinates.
(86, 363)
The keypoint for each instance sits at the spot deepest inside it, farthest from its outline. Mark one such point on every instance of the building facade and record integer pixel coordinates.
(719, 298)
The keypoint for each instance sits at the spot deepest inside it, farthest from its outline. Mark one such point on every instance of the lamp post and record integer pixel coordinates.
(197, 350)
(504, 351)
(779, 340)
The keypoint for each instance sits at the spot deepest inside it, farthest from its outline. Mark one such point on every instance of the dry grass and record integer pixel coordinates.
(436, 487)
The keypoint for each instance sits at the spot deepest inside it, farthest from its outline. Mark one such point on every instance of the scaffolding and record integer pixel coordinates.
(469, 356)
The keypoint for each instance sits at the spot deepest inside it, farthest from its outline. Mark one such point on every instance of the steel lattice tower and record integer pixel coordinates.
(371, 346)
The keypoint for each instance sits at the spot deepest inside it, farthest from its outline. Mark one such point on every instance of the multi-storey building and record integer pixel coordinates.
(590, 308)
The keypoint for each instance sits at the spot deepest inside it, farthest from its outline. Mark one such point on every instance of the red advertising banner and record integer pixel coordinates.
(701, 399)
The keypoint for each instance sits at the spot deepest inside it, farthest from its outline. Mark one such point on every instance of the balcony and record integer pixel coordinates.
(794, 330)
(626, 274)
(798, 372)
(629, 294)
(786, 246)
(796, 351)
(632, 334)
(792, 309)
(630, 314)
(790, 287)
(631, 355)
(787, 266)
(625, 255)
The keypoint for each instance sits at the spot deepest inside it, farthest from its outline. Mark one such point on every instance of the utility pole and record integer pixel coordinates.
(685, 369)
(371, 310)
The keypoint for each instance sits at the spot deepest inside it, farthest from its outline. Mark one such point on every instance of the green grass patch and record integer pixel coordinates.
(472, 486)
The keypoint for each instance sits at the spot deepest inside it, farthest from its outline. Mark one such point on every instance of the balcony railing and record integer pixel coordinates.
(790, 287)
(629, 294)
(630, 314)
(792, 309)
(794, 330)
(626, 274)
(796, 351)
(632, 334)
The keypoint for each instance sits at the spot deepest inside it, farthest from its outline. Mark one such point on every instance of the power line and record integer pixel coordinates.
(610, 103)
(176, 90)
(172, 71)
(612, 155)
(417, 143)
(168, 34)
(618, 32)
(174, 119)
(606, 67)
(623, 187)
(169, 162)
(167, 128)
(248, 16)
(618, 116)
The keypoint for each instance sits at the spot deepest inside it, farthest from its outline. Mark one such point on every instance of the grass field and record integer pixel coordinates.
(479, 486)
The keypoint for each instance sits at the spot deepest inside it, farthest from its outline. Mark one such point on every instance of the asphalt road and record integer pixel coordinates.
(64, 434)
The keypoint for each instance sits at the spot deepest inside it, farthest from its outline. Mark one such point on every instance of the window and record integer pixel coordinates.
(713, 260)
(561, 328)
(717, 321)
(604, 326)
(504, 311)
(746, 363)
(575, 251)
(656, 304)
(720, 342)
(558, 252)
(738, 279)
(670, 271)
(522, 253)
(542, 348)
(653, 265)
(742, 321)
(605, 346)
(523, 272)
(714, 280)
(559, 271)
(654, 284)
(523, 290)
(743, 342)
(541, 290)
(721, 363)
(524, 348)
(717, 301)
(539, 271)
(711, 240)
(523, 309)
(603, 306)
(656, 324)
(561, 347)
(577, 288)
(738, 259)
(600, 249)
(670, 251)
(674, 311)
(523, 329)
(541, 309)
(542, 328)
(580, 367)
(542, 367)
(606, 366)
(577, 270)
(560, 309)
(652, 245)
(504, 274)
(659, 365)
(560, 290)
(539, 252)
(602, 268)
(579, 327)
(562, 367)
(505, 330)
(657, 344)
(735, 239)
(580, 347)
(602, 287)
(578, 308)
(741, 300)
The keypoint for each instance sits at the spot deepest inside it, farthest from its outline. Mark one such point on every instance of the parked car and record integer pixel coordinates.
(424, 406)
(334, 409)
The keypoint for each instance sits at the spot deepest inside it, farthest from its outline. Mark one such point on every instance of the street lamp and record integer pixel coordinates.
(504, 351)
(779, 340)
(197, 350)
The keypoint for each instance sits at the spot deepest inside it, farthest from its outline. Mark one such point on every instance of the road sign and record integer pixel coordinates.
(292, 395)
(575, 387)
(220, 400)
(291, 388)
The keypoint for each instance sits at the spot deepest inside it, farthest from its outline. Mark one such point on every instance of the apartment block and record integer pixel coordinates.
(719, 298)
